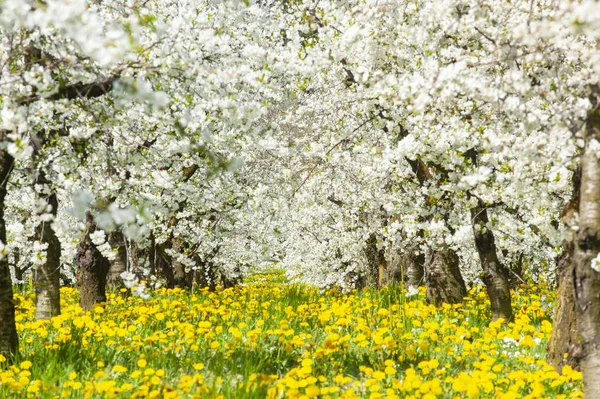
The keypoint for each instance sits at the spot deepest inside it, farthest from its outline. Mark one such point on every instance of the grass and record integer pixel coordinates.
(271, 339)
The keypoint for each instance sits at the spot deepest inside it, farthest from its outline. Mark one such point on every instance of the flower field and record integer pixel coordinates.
(270, 339)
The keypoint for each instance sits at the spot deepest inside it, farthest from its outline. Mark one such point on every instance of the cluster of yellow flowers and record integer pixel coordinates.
(271, 339)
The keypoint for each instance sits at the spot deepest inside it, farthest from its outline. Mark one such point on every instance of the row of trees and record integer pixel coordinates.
(354, 143)
(114, 118)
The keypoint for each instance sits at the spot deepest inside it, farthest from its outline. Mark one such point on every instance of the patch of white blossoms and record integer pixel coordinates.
(260, 134)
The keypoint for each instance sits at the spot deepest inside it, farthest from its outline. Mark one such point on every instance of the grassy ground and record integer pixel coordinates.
(269, 339)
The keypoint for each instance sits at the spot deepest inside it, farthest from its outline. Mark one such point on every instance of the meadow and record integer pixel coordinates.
(267, 338)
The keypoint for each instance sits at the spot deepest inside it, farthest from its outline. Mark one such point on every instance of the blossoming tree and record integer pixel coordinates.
(353, 142)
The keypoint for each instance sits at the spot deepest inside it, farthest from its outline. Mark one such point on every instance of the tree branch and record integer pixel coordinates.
(78, 90)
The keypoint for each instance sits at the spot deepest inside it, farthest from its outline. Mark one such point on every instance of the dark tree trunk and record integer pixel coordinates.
(587, 248)
(181, 279)
(118, 265)
(46, 277)
(92, 268)
(172, 270)
(401, 265)
(394, 267)
(414, 269)
(152, 255)
(376, 263)
(443, 280)
(565, 331)
(406, 268)
(134, 255)
(163, 265)
(9, 341)
(495, 275)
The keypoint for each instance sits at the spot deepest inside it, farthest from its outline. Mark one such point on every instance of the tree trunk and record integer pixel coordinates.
(443, 280)
(180, 277)
(413, 267)
(134, 256)
(587, 248)
(152, 255)
(163, 264)
(9, 341)
(46, 277)
(376, 263)
(495, 275)
(406, 268)
(118, 265)
(172, 270)
(92, 269)
(565, 334)
(394, 265)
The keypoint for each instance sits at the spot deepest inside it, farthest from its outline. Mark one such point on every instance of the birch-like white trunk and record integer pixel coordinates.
(587, 247)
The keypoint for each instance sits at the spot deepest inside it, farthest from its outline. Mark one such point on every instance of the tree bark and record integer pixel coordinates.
(173, 270)
(9, 341)
(587, 248)
(92, 268)
(443, 281)
(163, 264)
(134, 255)
(406, 268)
(46, 277)
(495, 275)
(376, 263)
(403, 265)
(152, 254)
(565, 334)
(412, 269)
(181, 279)
(118, 265)
(394, 264)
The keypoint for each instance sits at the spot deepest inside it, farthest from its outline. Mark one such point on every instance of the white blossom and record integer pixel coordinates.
(595, 263)
(411, 291)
